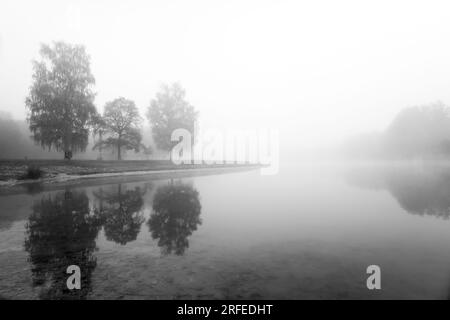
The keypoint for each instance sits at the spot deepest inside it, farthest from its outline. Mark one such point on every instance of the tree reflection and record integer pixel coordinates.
(422, 191)
(121, 211)
(176, 214)
(60, 232)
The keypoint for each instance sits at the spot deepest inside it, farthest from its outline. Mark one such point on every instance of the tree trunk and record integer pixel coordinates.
(119, 156)
(68, 144)
(67, 155)
(100, 135)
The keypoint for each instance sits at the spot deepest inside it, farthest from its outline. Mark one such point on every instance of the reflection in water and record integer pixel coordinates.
(423, 191)
(176, 214)
(63, 226)
(121, 212)
(418, 190)
(61, 231)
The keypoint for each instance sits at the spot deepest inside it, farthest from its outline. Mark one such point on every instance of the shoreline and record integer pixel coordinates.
(64, 179)
(17, 169)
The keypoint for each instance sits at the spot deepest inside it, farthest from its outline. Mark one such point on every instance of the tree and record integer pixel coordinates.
(121, 121)
(170, 111)
(419, 131)
(98, 129)
(61, 102)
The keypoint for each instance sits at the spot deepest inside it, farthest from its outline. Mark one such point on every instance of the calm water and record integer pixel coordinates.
(309, 232)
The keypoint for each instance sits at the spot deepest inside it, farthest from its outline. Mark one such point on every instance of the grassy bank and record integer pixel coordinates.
(17, 169)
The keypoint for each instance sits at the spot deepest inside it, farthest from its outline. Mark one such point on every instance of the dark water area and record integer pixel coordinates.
(307, 233)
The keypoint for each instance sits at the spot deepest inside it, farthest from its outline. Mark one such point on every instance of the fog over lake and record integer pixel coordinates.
(309, 232)
(240, 149)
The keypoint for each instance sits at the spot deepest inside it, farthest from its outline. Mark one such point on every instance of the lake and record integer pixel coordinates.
(309, 232)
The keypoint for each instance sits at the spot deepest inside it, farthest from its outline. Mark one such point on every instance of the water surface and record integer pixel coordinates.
(307, 233)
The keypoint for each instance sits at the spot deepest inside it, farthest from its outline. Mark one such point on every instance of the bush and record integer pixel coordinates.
(33, 172)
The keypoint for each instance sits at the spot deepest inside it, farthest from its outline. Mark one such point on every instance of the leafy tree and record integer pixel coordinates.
(419, 131)
(121, 121)
(98, 129)
(170, 111)
(61, 102)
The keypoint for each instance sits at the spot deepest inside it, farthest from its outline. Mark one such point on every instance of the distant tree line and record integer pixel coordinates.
(415, 132)
(61, 111)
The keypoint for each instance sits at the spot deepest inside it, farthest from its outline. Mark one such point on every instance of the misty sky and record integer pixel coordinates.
(316, 70)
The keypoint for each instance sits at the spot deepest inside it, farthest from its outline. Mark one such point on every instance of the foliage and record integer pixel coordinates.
(32, 172)
(121, 122)
(419, 131)
(60, 102)
(170, 111)
(98, 125)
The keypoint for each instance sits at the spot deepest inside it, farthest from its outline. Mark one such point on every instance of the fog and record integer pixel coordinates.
(320, 72)
(293, 150)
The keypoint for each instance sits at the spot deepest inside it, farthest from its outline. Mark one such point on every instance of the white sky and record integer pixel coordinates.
(316, 70)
